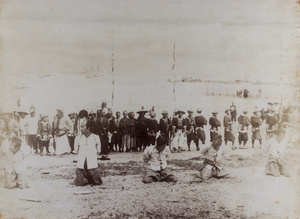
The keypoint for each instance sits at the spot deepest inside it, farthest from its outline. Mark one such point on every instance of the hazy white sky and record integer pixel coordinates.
(215, 39)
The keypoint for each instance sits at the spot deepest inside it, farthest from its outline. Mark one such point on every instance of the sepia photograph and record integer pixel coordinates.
(159, 109)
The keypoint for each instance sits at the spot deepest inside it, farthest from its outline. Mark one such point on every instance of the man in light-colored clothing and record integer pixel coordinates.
(157, 156)
(87, 146)
(14, 156)
(62, 126)
(32, 127)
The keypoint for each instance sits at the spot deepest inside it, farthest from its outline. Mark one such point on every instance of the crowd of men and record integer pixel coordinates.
(90, 133)
(128, 133)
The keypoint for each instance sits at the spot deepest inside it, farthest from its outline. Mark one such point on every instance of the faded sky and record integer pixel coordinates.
(215, 39)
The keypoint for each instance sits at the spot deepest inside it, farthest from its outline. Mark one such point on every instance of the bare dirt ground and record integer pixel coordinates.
(249, 193)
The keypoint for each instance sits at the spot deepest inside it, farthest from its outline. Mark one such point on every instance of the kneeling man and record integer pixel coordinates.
(87, 145)
(157, 156)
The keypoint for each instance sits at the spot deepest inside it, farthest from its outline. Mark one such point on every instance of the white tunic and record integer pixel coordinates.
(87, 148)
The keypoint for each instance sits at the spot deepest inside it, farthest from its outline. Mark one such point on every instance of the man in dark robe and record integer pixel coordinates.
(141, 130)
(200, 122)
(190, 128)
(214, 123)
(228, 135)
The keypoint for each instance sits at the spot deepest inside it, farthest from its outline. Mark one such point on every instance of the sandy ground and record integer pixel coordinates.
(249, 193)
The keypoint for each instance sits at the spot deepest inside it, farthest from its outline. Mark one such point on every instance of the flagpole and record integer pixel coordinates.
(174, 60)
(112, 72)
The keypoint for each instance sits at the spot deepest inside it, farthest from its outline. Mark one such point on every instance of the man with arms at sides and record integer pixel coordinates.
(156, 156)
(87, 146)
(228, 135)
(200, 122)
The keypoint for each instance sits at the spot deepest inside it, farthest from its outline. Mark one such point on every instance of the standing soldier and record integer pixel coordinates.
(124, 127)
(92, 118)
(244, 123)
(178, 131)
(200, 122)
(44, 134)
(214, 123)
(228, 135)
(110, 120)
(233, 112)
(141, 130)
(117, 136)
(72, 133)
(190, 128)
(102, 131)
(132, 121)
(152, 128)
(256, 124)
(32, 124)
(164, 126)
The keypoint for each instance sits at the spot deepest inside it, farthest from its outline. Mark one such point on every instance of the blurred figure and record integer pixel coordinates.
(14, 155)
(276, 148)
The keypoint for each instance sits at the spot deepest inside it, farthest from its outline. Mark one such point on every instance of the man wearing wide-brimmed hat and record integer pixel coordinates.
(165, 125)
(141, 130)
(44, 133)
(228, 135)
(244, 123)
(200, 122)
(156, 156)
(215, 124)
(178, 131)
(32, 125)
(190, 129)
(256, 126)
